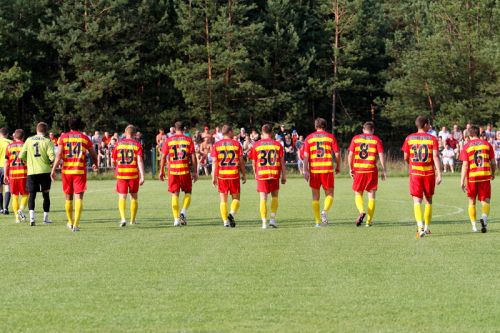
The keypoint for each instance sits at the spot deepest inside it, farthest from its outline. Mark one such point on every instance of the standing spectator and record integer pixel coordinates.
(254, 136)
(217, 135)
(450, 141)
(282, 131)
(295, 137)
(289, 149)
(242, 136)
(138, 138)
(111, 146)
(106, 138)
(53, 138)
(496, 146)
(96, 140)
(299, 148)
(197, 137)
(160, 136)
(247, 146)
(490, 133)
(205, 149)
(206, 132)
(432, 131)
(443, 134)
(102, 156)
(466, 131)
(457, 133)
(448, 158)
(171, 132)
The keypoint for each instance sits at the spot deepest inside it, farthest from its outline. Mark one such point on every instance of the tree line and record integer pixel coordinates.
(151, 62)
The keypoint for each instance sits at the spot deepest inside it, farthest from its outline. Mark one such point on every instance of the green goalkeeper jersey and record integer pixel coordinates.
(38, 152)
(3, 150)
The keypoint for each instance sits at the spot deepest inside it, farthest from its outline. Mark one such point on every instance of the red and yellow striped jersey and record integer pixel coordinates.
(17, 168)
(479, 154)
(267, 154)
(226, 154)
(365, 148)
(74, 146)
(420, 148)
(178, 148)
(321, 147)
(125, 156)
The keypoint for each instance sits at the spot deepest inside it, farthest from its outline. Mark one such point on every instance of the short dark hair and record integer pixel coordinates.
(226, 129)
(75, 123)
(421, 121)
(320, 123)
(179, 126)
(474, 130)
(369, 126)
(18, 134)
(267, 128)
(42, 127)
(4, 131)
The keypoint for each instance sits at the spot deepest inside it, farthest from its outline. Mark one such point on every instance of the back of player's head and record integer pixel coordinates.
(75, 124)
(474, 131)
(130, 129)
(320, 123)
(421, 122)
(267, 129)
(18, 134)
(42, 128)
(4, 131)
(179, 126)
(226, 129)
(369, 126)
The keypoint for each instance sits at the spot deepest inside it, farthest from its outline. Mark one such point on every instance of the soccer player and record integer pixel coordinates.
(268, 161)
(362, 158)
(16, 174)
(319, 149)
(4, 188)
(38, 153)
(478, 169)
(421, 152)
(179, 149)
(73, 148)
(127, 156)
(228, 163)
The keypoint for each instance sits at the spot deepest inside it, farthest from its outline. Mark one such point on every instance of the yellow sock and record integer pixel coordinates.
(418, 212)
(316, 212)
(472, 213)
(24, 201)
(360, 205)
(486, 209)
(78, 212)
(134, 206)
(15, 205)
(371, 210)
(428, 214)
(68, 206)
(235, 206)
(274, 205)
(122, 205)
(223, 211)
(175, 206)
(263, 209)
(328, 203)
(187, 201)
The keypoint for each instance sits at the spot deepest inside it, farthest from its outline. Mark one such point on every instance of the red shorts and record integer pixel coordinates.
(317, 180)
(125, 186)
(422, 185)
(177, 183)
(18, 186)
(367, 181)
(268, 185)
(231, 186)
(481, 190)
(74, 183)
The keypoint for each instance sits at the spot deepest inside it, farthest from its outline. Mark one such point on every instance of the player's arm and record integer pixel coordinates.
(93, 156)
(463, 175)
(50, 152)
(337, 162)
(140, 164)
(350, 160)
(306, 165)
(243, 170)
(24, 151)
(194, 161)
(283, 169)
(492, 165)
(437, 165)
(7, 167)
(381, 157)
(57, 160)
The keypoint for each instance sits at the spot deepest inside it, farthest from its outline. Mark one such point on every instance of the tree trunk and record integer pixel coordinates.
(209, 63)
(336, 12)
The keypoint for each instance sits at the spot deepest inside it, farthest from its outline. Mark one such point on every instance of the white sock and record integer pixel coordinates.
(484, 217)
(420, 225)
(183, 211)
(473, 224)
(45, 216)
(232, 213)
(176, 220)
(264, 221)
(32, 215)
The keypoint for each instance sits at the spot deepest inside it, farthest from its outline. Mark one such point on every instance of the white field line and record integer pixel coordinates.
(457, 211)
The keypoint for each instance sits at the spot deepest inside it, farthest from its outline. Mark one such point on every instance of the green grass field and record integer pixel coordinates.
(205, 278)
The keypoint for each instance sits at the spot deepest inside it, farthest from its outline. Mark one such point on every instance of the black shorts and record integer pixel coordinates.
(2, 170)
(38, 183)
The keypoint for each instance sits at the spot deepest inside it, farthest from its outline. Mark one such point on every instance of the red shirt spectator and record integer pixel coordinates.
(450, 141)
